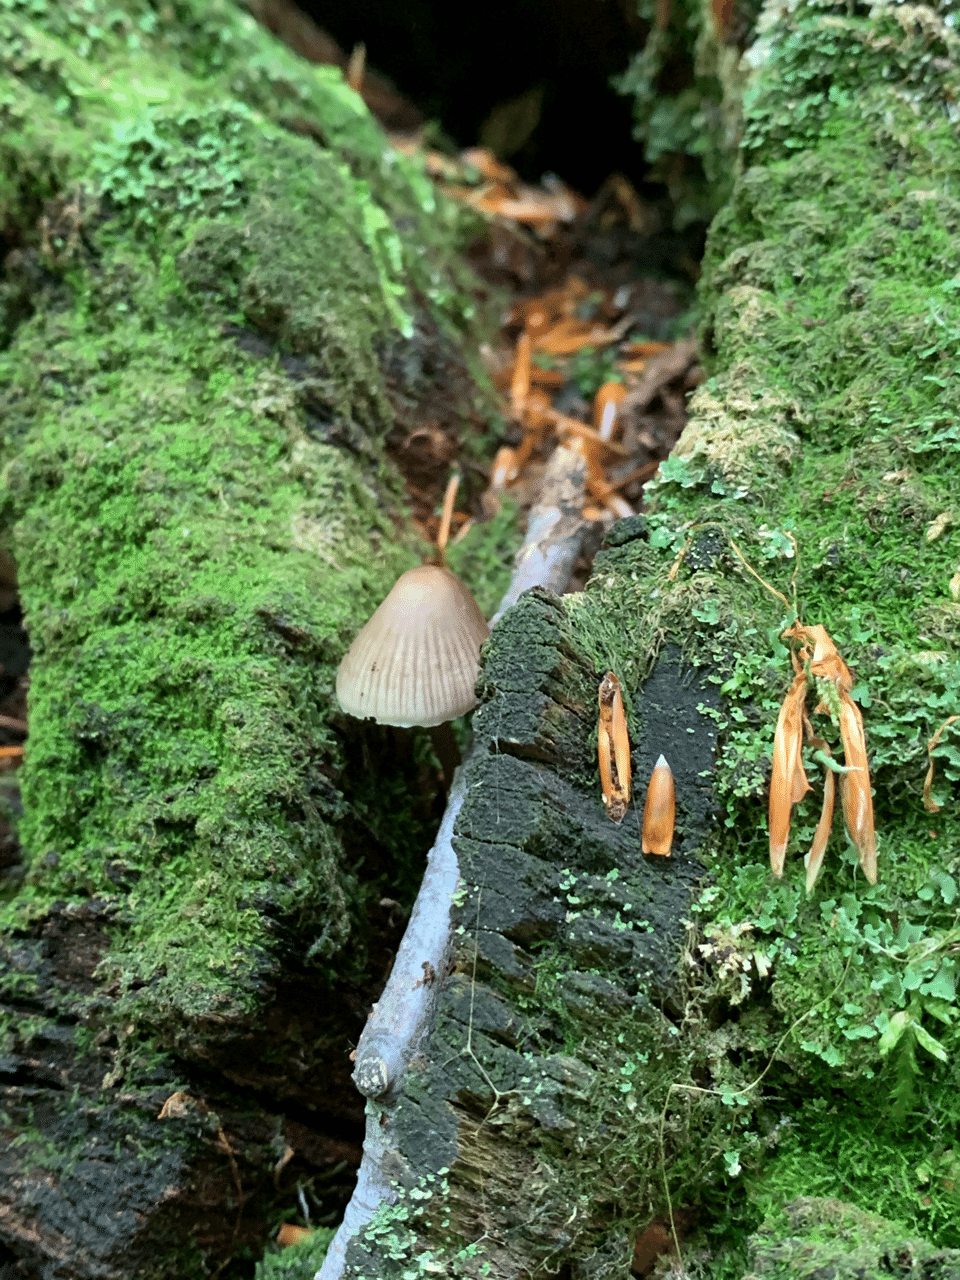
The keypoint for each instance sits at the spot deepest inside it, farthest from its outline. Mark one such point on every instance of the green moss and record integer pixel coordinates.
(60, 126)
(195, 486)
(813, 1236)
(685, 84)
(828, 1148)
(187, 597)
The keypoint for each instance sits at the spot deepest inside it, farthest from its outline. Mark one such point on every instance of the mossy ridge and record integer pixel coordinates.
(58, 58)
(830, 291)
(194, 554)
(851, 324)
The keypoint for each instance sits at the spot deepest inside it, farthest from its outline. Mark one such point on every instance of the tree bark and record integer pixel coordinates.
(619, 1036)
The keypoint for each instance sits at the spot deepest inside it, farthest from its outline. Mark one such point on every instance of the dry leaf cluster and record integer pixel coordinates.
(613, 750)
(817, 659)
(550, 326)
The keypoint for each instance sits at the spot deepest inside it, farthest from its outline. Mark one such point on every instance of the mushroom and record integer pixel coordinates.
(416, 660)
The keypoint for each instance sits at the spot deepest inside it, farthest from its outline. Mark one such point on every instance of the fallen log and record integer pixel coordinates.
(620, 1036)
(222, 295)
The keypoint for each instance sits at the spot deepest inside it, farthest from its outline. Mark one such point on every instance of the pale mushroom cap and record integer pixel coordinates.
(416, 660)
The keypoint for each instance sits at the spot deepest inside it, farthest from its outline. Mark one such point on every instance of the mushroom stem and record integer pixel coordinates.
(449, 498)
(448, 752)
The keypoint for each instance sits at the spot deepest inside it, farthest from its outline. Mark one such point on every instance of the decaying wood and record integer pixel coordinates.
(522, 828)
(401, 1021)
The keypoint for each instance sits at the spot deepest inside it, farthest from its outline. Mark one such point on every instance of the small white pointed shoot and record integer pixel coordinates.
(659, 810)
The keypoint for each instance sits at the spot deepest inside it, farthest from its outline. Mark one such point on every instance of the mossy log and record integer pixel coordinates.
(621, 1036)
(224, 297)
(190, 386)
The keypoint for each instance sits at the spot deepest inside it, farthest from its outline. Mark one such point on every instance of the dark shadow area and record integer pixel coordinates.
(530, 79)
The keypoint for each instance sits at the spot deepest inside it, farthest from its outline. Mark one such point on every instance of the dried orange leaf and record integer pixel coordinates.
(520, 383)
(503, 470)
(487, 164)
(659, 810)
(613, 746)
(527, 445)
(621, 746)
(788, 781)
(572, 335)
(596, 480)
(538, 411)
(855, 788)
(290, 1234)
(633, 349)
(578, 428)
(545, 377)
(356, 67)
(605, 761)
(536, 208)
(605, 404)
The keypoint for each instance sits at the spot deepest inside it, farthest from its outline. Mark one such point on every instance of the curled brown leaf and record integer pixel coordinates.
(788, 780)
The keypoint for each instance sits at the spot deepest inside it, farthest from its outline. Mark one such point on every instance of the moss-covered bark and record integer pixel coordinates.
(623, 1036)
(221, 284)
